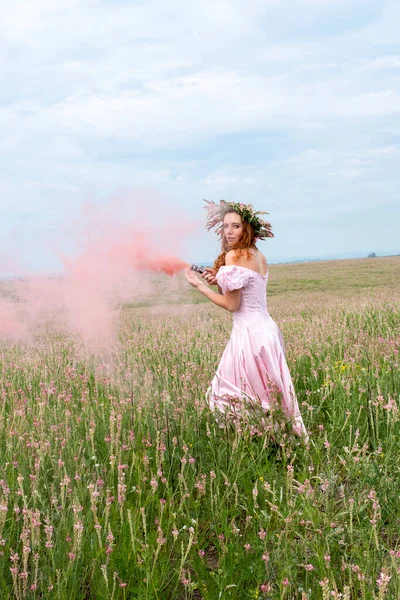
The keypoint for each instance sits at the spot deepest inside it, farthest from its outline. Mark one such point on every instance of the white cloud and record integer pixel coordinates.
(310, 158)
(384, 151)
(383, 62)
(221, 180)
(371, 104)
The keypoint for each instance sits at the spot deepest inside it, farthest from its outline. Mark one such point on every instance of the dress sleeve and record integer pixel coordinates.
(232, 278)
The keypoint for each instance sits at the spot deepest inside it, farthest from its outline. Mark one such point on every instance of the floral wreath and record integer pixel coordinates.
(217, 212)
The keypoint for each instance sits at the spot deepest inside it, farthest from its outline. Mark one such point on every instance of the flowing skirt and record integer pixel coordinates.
(253, 366)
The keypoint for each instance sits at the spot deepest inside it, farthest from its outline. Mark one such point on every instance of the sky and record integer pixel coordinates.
(291, 105)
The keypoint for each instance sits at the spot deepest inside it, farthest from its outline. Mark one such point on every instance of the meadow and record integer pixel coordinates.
(117, 482)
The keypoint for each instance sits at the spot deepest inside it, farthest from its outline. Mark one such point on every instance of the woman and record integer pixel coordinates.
(253, 366)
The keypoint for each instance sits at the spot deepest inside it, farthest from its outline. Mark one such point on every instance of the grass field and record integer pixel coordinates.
(116, 482)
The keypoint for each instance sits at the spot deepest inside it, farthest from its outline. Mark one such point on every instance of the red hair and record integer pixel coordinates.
(248, 240)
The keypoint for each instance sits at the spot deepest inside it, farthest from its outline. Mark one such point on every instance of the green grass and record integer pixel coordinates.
(114, 472)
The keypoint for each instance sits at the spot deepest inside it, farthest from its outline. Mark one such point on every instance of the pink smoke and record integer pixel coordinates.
(116, 246)
(11, 323)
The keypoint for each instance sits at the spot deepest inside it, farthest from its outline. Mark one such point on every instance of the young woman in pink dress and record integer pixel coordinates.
(253, 364)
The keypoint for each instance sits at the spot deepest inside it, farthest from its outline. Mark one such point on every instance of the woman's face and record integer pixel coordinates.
(233, 228)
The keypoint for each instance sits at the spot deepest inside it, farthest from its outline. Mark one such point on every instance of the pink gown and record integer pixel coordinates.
(254, 361)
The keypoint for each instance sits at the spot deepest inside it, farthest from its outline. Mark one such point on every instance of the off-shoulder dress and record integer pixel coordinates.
(253, 364)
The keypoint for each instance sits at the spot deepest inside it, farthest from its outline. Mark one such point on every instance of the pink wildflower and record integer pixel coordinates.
(309, 567)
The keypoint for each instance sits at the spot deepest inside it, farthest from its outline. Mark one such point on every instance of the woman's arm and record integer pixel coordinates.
(229, 301)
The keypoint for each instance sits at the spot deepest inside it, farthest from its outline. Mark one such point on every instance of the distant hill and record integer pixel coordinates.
(341, 256)
(276, 260)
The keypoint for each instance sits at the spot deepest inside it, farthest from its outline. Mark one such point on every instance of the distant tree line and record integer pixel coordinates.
(372, 255)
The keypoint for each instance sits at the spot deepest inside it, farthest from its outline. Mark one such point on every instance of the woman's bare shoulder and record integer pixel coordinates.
(261, 258)
(231, 257)
(245, 258)
(236, 257)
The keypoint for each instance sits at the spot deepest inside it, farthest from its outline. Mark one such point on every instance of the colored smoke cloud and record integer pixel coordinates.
(117, 246)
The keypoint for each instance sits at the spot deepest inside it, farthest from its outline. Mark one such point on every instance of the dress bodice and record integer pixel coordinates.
(253, 299)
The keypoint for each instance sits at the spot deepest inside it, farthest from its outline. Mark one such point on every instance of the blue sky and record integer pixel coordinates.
(292, 105)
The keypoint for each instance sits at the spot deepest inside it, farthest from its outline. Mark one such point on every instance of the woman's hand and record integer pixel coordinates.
(192, 278)
(209, 275)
